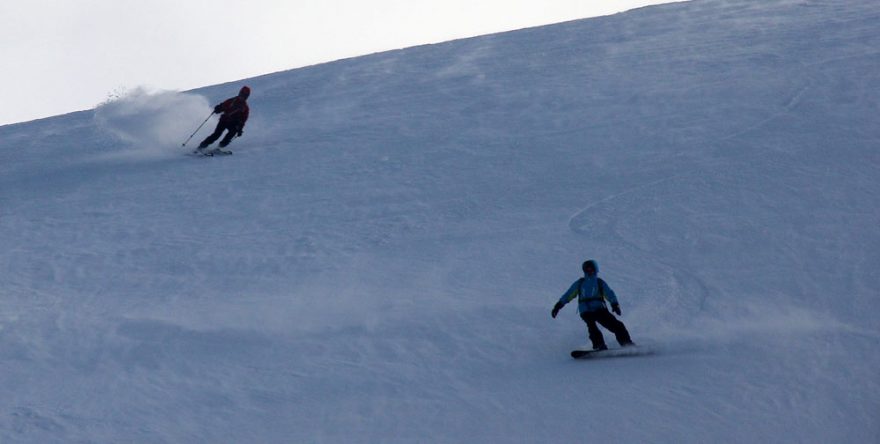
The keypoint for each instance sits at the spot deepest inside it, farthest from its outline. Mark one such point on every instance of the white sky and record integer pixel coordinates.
(60, 56)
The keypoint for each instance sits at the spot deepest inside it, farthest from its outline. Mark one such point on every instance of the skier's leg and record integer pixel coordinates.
(214, 136)
(595, 334)
(614, 325)
(228, 137)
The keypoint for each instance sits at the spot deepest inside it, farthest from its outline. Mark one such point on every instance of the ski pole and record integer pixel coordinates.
(197, 129)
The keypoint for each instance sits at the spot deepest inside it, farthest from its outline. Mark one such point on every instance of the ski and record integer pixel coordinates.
(217, 152)
(210, 153)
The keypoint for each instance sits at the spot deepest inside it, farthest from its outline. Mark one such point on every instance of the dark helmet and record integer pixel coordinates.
(244, 92)
(590, 268)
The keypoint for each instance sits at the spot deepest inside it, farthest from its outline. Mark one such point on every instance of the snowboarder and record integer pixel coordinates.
(592, 292)
(233, 115)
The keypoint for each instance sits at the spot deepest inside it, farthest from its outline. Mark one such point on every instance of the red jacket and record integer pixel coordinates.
(234, 110)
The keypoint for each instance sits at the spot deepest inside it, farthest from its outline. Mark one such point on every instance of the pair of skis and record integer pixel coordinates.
(211, 153)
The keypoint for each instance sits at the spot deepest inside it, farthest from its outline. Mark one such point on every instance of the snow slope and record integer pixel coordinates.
(378, 260)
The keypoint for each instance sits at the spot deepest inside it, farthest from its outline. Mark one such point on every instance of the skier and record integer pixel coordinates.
(592, 292)
(233, 115)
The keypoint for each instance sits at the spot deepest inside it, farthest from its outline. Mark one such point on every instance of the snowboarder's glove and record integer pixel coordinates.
(556, 309)
(240, 132)
(616, 309)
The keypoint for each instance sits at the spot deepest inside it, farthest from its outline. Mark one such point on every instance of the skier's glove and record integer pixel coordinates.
(616, 309)
(240, 132)
(556, 309)
(217, 109)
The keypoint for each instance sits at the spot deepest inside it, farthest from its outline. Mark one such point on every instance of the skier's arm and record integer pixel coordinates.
(223, 106)
(244, 116)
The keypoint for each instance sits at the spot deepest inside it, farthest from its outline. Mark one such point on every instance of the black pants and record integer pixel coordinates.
(232, 127)
(604, 318)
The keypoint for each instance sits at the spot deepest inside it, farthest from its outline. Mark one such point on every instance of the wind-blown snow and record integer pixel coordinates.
(378, 260)
(150, 123)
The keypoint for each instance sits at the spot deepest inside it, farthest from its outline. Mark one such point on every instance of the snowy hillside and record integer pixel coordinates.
(378, 260)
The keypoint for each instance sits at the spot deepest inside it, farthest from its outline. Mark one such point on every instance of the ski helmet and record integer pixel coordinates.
(590, 268)
(244, 92)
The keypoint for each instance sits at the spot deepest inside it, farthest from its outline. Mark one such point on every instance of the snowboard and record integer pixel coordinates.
(622, 352)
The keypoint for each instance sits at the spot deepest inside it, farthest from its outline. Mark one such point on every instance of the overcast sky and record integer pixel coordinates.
(68, 55)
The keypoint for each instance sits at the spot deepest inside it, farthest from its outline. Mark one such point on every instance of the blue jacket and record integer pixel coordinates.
(586, 290)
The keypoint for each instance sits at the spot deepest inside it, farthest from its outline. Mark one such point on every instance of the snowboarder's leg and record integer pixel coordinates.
(595, 334)
(214, 136)
(607, 320)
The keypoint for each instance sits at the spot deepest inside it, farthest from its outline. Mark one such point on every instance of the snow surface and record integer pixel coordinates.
(378, 260)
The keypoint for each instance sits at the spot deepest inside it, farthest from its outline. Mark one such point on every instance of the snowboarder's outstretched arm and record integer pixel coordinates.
(610, 296)
(569, 294)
